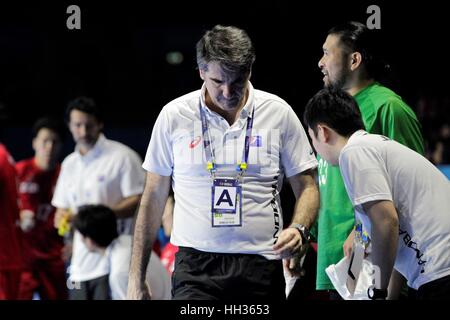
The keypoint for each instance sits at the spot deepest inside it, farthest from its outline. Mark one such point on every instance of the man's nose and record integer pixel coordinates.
(82, 131)
(227, 91)
(50, 145)
(321, 63)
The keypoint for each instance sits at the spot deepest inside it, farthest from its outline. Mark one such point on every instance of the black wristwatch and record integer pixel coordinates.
(304, 232)
(376, 294)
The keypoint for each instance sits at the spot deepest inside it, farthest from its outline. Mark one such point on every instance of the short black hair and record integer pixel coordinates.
(356, 37)
(48, 123)
(86, 105)
(334, 108)
(97, 222)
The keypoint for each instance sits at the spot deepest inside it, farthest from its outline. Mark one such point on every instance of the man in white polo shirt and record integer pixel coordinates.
(400, 198)
(99, 171)
(226, 148)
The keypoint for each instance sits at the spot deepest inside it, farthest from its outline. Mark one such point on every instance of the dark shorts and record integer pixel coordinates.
(202, 275)
(438, 289)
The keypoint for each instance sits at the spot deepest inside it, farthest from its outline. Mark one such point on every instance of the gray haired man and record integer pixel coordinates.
(226, 149)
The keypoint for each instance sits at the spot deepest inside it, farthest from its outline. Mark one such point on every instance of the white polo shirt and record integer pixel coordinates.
(278, 147)
(107, 174)
(376, 168)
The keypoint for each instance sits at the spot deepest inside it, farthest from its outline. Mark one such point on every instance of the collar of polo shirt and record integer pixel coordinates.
(96, 149)
(246, 110)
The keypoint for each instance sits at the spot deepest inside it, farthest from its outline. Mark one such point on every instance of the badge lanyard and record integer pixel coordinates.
(211, 165)
(226, 193)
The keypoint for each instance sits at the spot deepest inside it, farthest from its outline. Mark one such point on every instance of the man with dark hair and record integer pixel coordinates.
(86, 105)
(401, 199)
(99, 171)
(97, 224)
(49, 123)
(37, 176)
(98, 227)
(226, 148)
(351, 63)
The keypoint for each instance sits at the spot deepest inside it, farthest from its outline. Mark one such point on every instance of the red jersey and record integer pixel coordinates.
(36, 188)
(10, 234)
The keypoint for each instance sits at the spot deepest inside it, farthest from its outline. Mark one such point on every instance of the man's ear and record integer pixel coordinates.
(355, 60)
(89, 243)
(33, 144)
(202, 74)
(324, 133)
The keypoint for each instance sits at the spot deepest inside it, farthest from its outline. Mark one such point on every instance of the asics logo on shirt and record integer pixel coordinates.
(195, 142)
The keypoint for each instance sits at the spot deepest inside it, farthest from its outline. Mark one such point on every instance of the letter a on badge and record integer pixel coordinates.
(225, 197)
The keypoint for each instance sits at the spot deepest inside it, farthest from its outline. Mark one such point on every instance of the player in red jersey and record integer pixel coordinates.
(45, 268)
(11, 263)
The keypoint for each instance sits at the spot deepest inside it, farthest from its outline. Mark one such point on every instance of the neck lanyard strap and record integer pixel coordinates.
(209, 148)
(207, 143)
(248, 134)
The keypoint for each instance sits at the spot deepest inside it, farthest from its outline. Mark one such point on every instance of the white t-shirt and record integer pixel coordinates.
(107, 174)
(376, 168)
(119, 254)
(278, 147)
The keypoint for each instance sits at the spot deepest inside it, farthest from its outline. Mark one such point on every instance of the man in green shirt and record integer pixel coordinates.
(349, 63)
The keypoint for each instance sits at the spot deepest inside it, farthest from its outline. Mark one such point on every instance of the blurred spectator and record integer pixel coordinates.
(98, 227)
(433, 115)
(45, 268)
(99, 171)
(441, 152)
(11, 263)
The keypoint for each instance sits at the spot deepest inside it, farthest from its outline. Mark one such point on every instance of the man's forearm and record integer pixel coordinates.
(384, 239)
(291, 244)
(148, 222)
(145, 232)
(126, 207)
(307, 204)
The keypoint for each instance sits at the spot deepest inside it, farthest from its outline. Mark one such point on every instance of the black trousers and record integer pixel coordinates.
(202, 275)
(438, 289)
(95, 289)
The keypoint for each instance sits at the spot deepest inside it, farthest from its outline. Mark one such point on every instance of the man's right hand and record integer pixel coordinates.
(348, 244)
(138, 291)
(60, 216)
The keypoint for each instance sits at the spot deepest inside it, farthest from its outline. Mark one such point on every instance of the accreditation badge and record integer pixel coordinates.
(226, 206)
